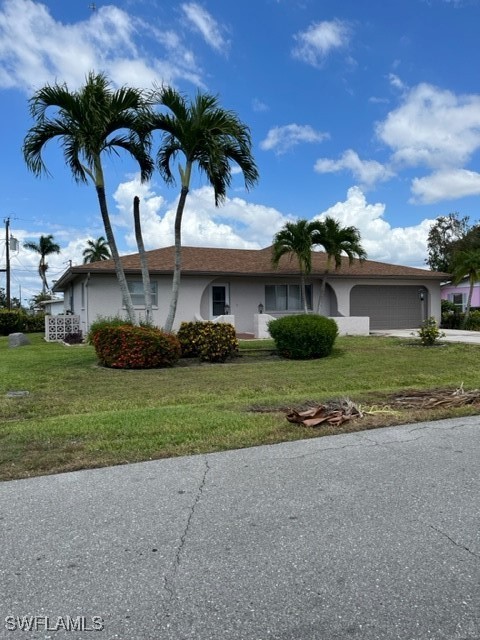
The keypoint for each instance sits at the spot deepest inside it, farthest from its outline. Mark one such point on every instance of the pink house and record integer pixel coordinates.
(458, 294)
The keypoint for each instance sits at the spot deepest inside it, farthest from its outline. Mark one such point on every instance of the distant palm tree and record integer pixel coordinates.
(209, 137)
(96, 250)
(336, 241)
(90, 122)
(297, 240)
(467, 264)
(44, 247)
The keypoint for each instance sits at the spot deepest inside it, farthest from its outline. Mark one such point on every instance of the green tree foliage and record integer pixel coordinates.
(442, 237)
(337, 241)
(466, 264)
(297, 239)
(96, 250)
(44, 247)
(88, 123)
(209, 138)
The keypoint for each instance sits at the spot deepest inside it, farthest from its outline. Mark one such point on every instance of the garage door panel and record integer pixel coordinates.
(388, 306)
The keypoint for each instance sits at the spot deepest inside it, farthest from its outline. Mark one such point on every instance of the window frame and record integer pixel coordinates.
(289, 298)
(135, 296)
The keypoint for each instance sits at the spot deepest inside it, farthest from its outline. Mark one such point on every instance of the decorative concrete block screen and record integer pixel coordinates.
(57, 327)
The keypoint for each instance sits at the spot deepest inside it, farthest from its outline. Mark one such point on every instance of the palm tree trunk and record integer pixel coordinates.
(469, 304)
(303, 292)
(122, 281)
(178, 260)
(147, 287)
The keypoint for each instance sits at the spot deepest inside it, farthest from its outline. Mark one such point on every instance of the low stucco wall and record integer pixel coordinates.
(351, 326)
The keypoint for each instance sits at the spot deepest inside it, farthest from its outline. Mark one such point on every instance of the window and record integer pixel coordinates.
(458, 299)
(136, 291)
(286, 297)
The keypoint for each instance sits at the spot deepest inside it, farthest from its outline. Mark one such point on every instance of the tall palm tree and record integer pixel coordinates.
(44, 247)
(336, 241)
(208, 137)
(88, 123)
(467, 264)
(297, 240)
(96, 251)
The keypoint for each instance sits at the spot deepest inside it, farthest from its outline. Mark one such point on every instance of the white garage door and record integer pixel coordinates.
(389, 306)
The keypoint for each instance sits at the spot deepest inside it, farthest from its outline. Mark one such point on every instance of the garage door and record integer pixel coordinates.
(389, 306)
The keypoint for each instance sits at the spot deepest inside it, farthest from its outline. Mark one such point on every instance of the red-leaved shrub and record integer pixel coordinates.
(129, 347)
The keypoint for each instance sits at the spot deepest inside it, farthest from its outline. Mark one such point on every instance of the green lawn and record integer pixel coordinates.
(79, 415)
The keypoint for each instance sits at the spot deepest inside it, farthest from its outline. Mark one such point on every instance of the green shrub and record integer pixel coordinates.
(209, 341)
(473, 322)
(452, 317)
(429, 332)
(34, 323)
(128, 347)
(303, 337)
(11, 321)
(104, 322)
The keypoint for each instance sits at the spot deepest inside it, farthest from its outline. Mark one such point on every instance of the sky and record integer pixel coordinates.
(366, 111)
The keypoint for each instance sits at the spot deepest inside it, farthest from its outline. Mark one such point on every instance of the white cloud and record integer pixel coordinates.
(281, 139)
(433, 128)
(366, 172)
(381, 241)
(237, 223)
(446, 185)
(259, 106)
(396, 82)
(320, 39)
(206, 25)
(36, 49)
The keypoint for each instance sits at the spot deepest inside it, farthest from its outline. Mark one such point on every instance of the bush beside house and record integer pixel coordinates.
(303, 337)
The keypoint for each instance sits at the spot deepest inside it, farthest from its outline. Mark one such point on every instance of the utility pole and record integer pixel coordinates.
(7, 262)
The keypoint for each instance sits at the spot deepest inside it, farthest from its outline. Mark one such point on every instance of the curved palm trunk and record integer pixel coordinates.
(42, 272)
(122, 281)
(178, 260)
(147, 287)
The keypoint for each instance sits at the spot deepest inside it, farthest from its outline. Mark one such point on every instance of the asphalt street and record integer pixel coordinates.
(372, 535)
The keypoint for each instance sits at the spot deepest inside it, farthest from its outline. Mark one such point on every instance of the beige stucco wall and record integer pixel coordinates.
(102, 297)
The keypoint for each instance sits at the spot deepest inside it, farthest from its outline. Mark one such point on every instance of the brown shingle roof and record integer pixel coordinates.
(247, 262)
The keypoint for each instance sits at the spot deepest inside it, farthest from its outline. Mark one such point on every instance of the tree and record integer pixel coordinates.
(210, 138)
(44, 247)
(96, 251)
(297, 239)
(88, 123)
(443, 235)
(336, 241)
(467, 264)
(147, 287)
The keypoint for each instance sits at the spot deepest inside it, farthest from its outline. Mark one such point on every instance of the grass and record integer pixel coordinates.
(78, 415)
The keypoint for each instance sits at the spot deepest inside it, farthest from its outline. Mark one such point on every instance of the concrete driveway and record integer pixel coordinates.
(451, 335)
(372, 535)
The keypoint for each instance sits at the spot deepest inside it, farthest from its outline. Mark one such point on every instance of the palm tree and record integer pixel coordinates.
(44, 247)
(297, 239)
(467, 264)
(90, 122)
(208, 137)
(96, 251)
(336, 241)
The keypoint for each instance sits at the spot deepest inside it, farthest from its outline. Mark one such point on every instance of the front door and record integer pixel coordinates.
(219, 299)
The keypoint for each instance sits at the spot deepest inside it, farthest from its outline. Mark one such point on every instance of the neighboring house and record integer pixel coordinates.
(239, 283)
(53, 307)
(458, 294)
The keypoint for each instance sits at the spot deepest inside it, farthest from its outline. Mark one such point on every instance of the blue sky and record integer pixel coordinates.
(367, 111)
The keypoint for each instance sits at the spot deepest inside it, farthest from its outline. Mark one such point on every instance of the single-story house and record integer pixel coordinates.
(239, 285)
(458, 294)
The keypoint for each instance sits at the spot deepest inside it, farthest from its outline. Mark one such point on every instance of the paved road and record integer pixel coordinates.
(374, 535)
